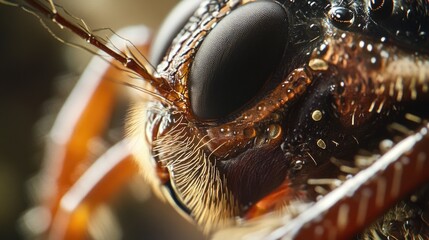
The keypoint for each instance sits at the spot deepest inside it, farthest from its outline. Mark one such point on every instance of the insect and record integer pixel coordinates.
(318, 118)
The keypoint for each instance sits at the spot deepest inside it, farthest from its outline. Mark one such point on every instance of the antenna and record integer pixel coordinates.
(128, 61)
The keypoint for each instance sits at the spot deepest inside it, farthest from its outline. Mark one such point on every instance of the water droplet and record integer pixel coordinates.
(369, 48)
(317, 115)
(323, 49)
(274, 131)
(341, 16)
(321, 144)
(249, 132)
(318, 64)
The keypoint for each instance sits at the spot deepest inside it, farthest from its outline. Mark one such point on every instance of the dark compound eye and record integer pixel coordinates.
(171, 27)
(237, 57)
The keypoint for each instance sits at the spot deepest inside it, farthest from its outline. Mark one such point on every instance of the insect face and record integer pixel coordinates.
(335, 73)
(269, 106)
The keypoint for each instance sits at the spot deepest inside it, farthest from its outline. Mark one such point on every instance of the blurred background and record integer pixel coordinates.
(32, 63)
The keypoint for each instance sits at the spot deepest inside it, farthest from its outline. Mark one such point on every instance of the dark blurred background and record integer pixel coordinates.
(32, 63)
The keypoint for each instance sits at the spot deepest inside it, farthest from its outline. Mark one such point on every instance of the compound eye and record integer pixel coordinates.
(237, 58)
(171, 27)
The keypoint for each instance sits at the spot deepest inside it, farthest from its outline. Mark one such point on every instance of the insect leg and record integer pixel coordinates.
(81, 121)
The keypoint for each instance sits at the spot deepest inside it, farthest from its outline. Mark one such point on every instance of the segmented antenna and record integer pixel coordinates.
(160, 84)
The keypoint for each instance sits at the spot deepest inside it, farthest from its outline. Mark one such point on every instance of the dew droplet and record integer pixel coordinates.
(341, 16)
(322, 49)
(321, 144)
(249, 132)
(274, 131)
(318, 64)
(317, 115)
(369, 48)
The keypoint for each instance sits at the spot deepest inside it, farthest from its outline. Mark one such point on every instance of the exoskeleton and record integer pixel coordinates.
(270, 119)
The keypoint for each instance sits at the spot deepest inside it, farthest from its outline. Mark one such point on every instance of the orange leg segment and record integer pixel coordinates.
(275, 199)
(98, 183)
(73, 184)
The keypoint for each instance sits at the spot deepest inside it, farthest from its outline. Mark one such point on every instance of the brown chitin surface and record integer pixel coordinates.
(377, 79)
(175, 66)
(374, 80)
(178, 145)
(374, 75)
(188, 148)
(219, 169)
(353, 205)
(260, 123)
